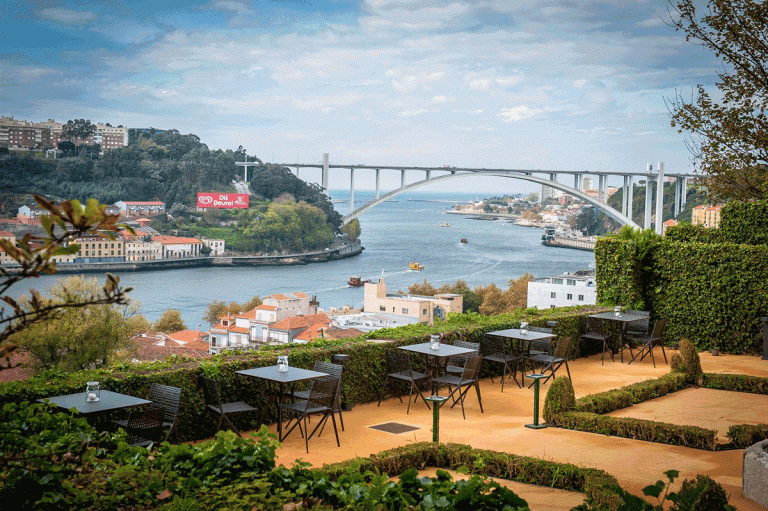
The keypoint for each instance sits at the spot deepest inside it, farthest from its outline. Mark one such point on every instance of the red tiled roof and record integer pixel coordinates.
(267, 307)
(301, 295)
(6, 234)
(21, 372)
(251, 314)
(311, 333)
(343, 333)
(174, 240)
(187, 335)
(238, 329)
(279, 296)
(301, 321)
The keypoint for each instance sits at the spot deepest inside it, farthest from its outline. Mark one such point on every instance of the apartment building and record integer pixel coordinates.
(425, 309)
(565, 290)
(175, 247)
(37, 135)
(708, 216)
(98, 248)
(140, 208)
(5, 259)
(216, 246)
(141, 247)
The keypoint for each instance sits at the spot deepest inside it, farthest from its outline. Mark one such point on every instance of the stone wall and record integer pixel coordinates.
(754, 483)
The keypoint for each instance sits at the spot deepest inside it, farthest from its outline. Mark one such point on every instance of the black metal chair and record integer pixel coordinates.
(494, 350)
(223, 410)
(456, 363)
(169, 399)
(399, 370)
(543, 347)
(334, 372)
(145, 428)
(462, 383)
(321, 399)
(595, 330)
(551, 363)
(647, 342)
(640, 327)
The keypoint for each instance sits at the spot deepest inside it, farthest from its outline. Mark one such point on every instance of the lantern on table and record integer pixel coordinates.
(92, 391)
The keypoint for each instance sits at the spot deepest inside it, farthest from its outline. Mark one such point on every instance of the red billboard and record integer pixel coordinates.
(222, 200)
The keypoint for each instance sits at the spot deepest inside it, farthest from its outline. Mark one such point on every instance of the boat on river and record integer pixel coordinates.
(415, 267)
(464, 241)
(357, 281)
(444, 224)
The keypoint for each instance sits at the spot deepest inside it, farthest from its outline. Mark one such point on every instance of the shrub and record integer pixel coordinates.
(744, 435)
(560, 398)
(687, 362)
(701, 494)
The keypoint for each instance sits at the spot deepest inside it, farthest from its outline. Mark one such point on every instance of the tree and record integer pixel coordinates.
(77, 338)
(169, 322)
(79, 129)
(214, 311)
(251, 304)
(351, 229)
(730, 135)
(34, 254)
(516, 296)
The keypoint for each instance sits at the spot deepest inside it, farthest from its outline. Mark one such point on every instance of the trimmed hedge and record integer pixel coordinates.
(593, 482)
(736, 383)
(745, 435)
(605, 402)
(639, 429)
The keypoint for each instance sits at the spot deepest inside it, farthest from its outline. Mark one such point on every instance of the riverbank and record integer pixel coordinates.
(318, 256)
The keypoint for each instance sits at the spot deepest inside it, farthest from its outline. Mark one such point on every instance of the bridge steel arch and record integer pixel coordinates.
(623, 220)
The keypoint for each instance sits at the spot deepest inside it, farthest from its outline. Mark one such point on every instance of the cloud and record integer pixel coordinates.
(439, 99)
(411, 113)
(66, 16)
(517, 113)
(404, 82)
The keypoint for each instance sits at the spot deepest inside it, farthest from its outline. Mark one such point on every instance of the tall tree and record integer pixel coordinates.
(729, 135)
(170, 322)
(34, 256)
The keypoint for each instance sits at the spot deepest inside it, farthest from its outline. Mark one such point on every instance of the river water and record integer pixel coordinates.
(393, 234)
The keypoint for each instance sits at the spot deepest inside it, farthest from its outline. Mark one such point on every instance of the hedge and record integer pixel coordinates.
(611, 400)
(593, 482)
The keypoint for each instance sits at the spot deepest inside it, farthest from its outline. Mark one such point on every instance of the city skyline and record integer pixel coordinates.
(483, 84)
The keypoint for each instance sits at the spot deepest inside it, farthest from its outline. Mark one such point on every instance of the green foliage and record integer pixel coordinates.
(616, 399)
(736, 383)
(745, 435)
(687, 361)
(352, 229)
(639, 429)
(745, 222)
(728, 129)
(693, 234)
(169, 322)
(560, 398)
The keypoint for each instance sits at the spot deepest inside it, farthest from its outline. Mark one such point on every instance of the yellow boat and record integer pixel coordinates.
(415, 267)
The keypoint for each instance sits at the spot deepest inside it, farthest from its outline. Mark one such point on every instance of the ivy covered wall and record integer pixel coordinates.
(710, 284)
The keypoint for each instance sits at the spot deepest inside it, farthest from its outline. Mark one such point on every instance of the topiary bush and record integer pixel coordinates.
(701, 494)
(687, 362)
(560, 398)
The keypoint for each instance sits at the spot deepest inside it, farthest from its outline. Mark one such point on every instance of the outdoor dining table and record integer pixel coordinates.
(436, 358)
(272, 376)
(108, 402)
(521, 342)
(621, 321)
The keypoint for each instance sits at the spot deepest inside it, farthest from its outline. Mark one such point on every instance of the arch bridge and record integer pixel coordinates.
(548, 179)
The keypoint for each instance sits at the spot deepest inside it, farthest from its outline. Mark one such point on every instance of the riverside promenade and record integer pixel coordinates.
(501, 427)
(341, 251)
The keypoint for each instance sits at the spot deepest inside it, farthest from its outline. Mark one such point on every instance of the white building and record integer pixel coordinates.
(216, 246)
(565, 290)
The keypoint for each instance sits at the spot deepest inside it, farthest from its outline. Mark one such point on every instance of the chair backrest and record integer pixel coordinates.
(471, 368)
(542, 329)
(469, 345)
(322, 393)
(211, 391)
(334, 372)
(563, 348)
(398, 361)
(146, 425)
(551, 324)
(641, 325)
(658, 329)
(168, 398)
(493, 346)
(595, 325)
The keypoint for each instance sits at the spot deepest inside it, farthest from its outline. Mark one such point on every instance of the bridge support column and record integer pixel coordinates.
(324, 179)
(351, 189)
(685, 191)
(601, 187)
(429, 173)
(402, 178)
(378, 183)
(577, 182)
(625, 196)
(648, 197)
(297, 171)
(630, 197)
(660, 199)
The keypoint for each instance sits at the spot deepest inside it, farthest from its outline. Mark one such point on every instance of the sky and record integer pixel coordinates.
(524, 84)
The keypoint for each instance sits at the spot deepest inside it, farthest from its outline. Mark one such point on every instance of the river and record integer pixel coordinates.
(393, 234)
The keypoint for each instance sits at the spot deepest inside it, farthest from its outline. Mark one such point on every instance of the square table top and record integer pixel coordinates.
(624, 317)
(271, 373)
(445, 350)
(108, 401)
(515, 333)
